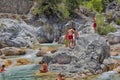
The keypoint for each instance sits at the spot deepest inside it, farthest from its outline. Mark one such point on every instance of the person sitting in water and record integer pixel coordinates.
(44, 67)
(2, 69)
(60, 77)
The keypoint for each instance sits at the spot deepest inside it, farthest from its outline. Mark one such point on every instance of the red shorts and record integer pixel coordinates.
(94, 25)
(70, 36)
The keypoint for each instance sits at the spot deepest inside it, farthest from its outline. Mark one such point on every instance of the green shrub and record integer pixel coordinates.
(60, 8)
(100, 19)
(95, 5)
(63, 10)
(118, 21)
(35, 11)
(103, 28)
(107, 29)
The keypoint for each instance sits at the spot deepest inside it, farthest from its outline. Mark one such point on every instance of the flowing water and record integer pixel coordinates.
(27, 72)
(23, 72)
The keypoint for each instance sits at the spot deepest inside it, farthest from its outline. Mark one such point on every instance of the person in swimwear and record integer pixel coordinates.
(44, 67)
(2, 69)
(70, 37)
(94, 24)
(75, 36)
(60, 77)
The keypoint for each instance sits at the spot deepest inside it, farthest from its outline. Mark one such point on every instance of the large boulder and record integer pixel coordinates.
(114, 38)
(16, 33)
(90, 52)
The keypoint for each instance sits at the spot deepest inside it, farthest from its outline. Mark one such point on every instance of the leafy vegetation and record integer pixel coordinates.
(95, 5)
(118, 21)
(66, 8)
(59, 8)
(103, 28)
(63, 9)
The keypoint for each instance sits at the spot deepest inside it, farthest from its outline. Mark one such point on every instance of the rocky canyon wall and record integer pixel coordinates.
(15, 6)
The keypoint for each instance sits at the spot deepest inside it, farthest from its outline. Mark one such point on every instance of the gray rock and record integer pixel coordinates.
(114, 38)
(90, 52)
(16, 33)
(40, 53)
(113, 12)
(11, 51)
(15, 6)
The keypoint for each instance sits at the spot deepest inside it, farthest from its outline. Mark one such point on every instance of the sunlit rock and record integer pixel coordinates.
(10, 51)
(22, 61)
(8, 63)
(16, 33)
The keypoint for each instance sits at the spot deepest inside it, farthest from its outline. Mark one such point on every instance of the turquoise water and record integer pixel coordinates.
(50, 44)
(25, 72)
(110, 75)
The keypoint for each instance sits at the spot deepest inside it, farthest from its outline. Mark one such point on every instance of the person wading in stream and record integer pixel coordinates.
(60, 77)
(2, 69)
(44, 67)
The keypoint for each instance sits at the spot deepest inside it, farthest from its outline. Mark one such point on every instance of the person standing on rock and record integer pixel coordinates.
(70, 38)
(94, 24)
(66, 40)
(75, 36)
